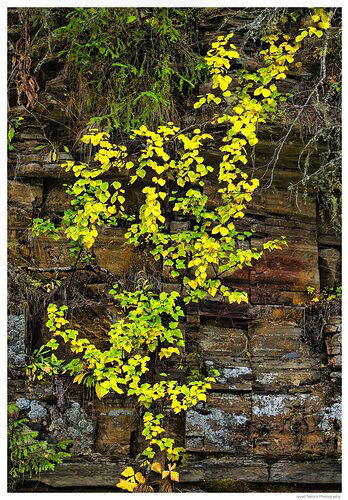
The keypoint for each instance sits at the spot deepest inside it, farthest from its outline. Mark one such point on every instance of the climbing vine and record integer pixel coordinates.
(148, 337)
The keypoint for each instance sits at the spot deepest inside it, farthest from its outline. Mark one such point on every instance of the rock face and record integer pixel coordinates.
(274, 415)
(16, 340)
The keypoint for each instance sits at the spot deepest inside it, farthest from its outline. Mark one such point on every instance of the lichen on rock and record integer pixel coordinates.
(74, 424)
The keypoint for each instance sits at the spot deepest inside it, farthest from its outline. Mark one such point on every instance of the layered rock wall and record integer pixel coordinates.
(273, 417)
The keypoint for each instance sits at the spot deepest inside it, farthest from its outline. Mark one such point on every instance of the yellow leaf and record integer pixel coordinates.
(139, 477)
(122, 484)
(193, 284)
(127, 485)
(165, 473)
(88, 243)
(130, 486)
(79, 378)
(238, 109)
(202, 397)
(265, 92)
(174, 476)
(224, 82)
(129, 471)
(98, 390)
(156, 466)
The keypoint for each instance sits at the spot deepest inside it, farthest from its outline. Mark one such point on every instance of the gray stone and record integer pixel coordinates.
(285, 424)
(73, 413)
(331, 416)
(235, 373)
(291, 355)
(73, 424)
(179, 226)
(23, 403)
(16, 340)
(270, 405)
(120, 411)
(222, 425)
(37, 411)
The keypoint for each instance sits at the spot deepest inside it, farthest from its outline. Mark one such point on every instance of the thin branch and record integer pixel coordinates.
(280, 144)
(69, 269)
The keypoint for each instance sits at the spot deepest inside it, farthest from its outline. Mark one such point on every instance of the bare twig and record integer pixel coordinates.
(69, 269)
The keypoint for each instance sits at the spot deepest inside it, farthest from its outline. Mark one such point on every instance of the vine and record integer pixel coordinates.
(148, 336)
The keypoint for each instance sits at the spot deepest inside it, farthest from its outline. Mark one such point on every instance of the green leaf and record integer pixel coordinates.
(10, 134)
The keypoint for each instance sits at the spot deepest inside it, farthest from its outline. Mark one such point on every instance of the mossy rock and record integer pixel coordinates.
(280, 488)
(226, 486)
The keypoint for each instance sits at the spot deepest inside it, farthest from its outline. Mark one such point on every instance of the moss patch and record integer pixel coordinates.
(226, 486)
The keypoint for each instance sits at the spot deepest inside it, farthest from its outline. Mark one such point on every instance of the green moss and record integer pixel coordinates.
(226, 486)
(279, 488)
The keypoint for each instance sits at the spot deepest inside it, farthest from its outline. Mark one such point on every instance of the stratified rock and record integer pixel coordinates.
(317, 472)
(221, 425)
(114, 432)
(329, 260)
